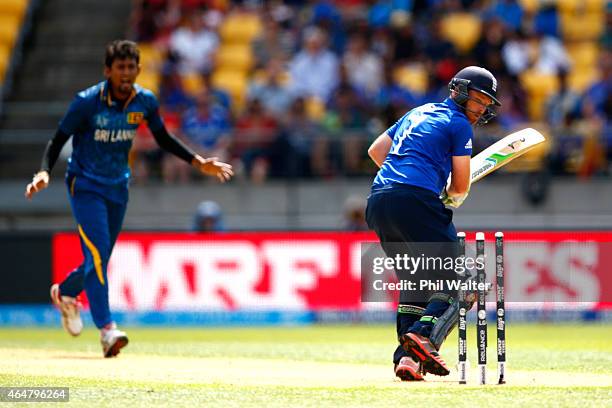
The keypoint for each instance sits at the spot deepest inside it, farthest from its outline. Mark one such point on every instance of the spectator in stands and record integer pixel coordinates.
(606, 134)
(272, 89)
(437, 85)
(218, 96)
(437, 47)
(144, 19)
(300, 137)
(606, 37)
(277, 39)
(595, 122)
(391, 94)
(326, 15)
(546, 20)
(551, 56)
(598, 93)
(405, 45)
(509, 12)
(146, 156)
(382, 44)
(562, 105)
(545, 54)
(155, 19)
(492, 40)
(379, 13)
(206, 128)
(208, 217)
(314, 70)
(354, 214)
(171, 91)
(194, 44)
(254, 140)
(345, 123)
(364, 68)
(512, 113)
(516, 53)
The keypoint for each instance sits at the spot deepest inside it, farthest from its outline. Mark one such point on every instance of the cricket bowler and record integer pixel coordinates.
(408, 197)
(102, 121)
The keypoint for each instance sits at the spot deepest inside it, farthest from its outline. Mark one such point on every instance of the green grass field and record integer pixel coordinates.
(548, 365)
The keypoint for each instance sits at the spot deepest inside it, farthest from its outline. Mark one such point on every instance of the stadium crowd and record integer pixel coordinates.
(299, 88)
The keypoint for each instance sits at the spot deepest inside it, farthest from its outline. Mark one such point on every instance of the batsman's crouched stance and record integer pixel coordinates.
(408, 197)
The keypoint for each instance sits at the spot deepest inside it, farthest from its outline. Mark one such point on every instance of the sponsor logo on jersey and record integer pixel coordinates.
(135, 118)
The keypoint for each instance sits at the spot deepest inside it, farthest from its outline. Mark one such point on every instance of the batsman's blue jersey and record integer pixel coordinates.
(424, 141)
(102, 131)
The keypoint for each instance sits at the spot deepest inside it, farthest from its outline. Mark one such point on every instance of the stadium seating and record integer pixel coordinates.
(584, 56)
(9, 29)
(12, 13)
(240, 28)
(192, 83)
(234, 59)
(462, 29)
(574, 6)
(5, 56)
(413, 77)
(151, 60)
(580, 80)
(234, 82)
(582, 19)
(315, 108)
(539, 87)
(530, 6)
(14, 8)
(151, 56)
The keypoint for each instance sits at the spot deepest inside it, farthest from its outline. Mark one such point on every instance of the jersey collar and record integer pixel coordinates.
(455, 106)
(105, 95)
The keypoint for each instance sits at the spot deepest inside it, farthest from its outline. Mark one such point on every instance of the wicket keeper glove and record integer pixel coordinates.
(454, 202)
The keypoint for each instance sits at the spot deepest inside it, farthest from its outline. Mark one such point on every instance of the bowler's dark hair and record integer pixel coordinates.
(121, 49)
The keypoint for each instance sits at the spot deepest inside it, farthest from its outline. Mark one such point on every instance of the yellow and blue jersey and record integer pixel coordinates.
(424, 141)
(103, 129)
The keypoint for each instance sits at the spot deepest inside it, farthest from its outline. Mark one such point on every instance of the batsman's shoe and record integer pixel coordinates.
(408, 369)
(421, 349)
(113, 340)
(69, 308)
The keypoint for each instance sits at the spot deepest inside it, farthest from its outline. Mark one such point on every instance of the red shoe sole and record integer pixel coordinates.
(431, 363)
(407, 374)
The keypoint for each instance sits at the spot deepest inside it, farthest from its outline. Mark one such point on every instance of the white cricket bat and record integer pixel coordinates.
(502, 152)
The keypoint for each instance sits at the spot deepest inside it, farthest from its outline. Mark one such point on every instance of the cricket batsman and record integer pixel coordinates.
(102, 121)
(408, 197)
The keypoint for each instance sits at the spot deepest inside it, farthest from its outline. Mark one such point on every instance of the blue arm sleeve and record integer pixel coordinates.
(461, 138)
(153, 119)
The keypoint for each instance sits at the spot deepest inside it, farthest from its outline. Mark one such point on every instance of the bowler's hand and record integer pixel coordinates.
(39, 182)
(212, 167)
